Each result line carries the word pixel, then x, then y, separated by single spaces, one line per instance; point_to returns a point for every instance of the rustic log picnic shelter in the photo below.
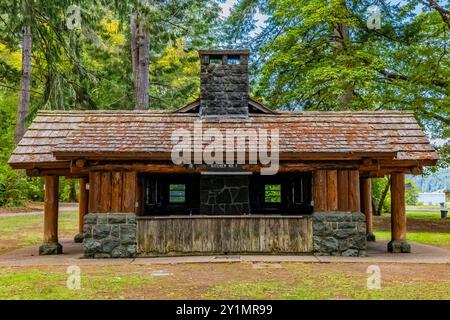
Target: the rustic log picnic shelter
pixel 135 200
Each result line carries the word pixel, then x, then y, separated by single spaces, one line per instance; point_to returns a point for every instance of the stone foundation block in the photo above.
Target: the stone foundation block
pixel 50 248
pixel 399 247
pixel 339 234
pixel 109 235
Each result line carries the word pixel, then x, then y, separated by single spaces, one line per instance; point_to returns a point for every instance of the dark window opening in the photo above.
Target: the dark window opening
pixel 170 195
pixel 281 194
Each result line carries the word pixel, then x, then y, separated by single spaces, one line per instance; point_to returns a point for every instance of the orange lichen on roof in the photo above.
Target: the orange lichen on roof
pixel 147 133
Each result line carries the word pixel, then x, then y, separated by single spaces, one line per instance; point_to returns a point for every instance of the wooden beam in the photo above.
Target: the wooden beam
pixel 129 194
pixel 94 191
pixel 166 167
pixel 80 163
pixel 343 190
pixel 353 191
pixel 366 206
pixel 320 190
pixel 83 203
pixel 332 190
pixel 105 192
pixel 51 203
pixel 398 214
pixel 116 191
pixel 57 172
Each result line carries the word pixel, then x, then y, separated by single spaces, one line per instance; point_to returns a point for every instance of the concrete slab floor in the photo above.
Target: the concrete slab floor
pixel 377 253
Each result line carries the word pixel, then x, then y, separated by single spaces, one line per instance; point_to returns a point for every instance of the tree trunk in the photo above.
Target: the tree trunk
pixel 140 45
pixel 134 54
pixel 342 36
pixel 25 85
pixel 73 190
pixel 383 197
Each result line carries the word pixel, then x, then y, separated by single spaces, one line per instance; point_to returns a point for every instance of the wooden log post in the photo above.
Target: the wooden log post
pixel 332 190
pixel 398 215
pixel 366 206
pixel 51 245
pixel 83 204
pixel 320 190
pixel 353 191
pixel 343 190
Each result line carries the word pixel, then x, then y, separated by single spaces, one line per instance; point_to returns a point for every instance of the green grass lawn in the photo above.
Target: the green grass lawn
pixel 431 238
pixel 329 285
pixel 425 215
pixel 36 284
pixel 228 281
pixel 27 230
pixel 424 223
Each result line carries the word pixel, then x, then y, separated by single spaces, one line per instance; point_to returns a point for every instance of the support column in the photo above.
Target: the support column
pixel 366 206
pixel 83 203
pixel 398 215
pixel 51 245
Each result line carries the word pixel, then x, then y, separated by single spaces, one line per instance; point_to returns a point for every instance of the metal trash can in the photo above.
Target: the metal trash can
pixel 444 214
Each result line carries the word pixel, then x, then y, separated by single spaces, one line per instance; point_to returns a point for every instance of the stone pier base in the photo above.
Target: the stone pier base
pixel 78 238
pixel 109 235
pixel 339 234
pixel 371 237
pixel 50 248
pixel 401 246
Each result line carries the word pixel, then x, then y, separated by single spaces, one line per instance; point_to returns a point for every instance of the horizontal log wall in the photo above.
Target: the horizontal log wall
pixel 336 190
pixel 223 234
pixel 112 191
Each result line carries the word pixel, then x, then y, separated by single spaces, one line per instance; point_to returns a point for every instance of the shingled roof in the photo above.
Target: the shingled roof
pixel 55 137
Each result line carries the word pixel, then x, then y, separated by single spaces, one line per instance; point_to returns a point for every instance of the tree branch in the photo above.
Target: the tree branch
pixel 445 14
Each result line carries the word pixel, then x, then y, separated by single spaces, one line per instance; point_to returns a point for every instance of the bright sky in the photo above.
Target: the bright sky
pixel 228 4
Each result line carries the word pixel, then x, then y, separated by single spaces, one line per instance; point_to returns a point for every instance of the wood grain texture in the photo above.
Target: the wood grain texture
pixel 129 191
pixel 220 235
pixel 83 203
pixel 353 191
pixel 94 191
pixel 116 191
pixel 366 202
pixel 320 190
pixel 332 190
pixel 343 190
pixel 105 192
pixel 51 209
pixel 398 214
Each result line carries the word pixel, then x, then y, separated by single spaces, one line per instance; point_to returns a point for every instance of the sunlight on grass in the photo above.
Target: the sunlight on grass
pixel 425 215
pixel 432 238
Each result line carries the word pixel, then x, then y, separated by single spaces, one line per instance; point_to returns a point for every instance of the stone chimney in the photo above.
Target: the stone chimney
pixel 224 84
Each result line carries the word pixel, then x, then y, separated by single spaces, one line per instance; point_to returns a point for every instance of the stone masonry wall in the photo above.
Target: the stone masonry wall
pixel 339 233
pixel 224 90
pixel 224 195
pixel 109 235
